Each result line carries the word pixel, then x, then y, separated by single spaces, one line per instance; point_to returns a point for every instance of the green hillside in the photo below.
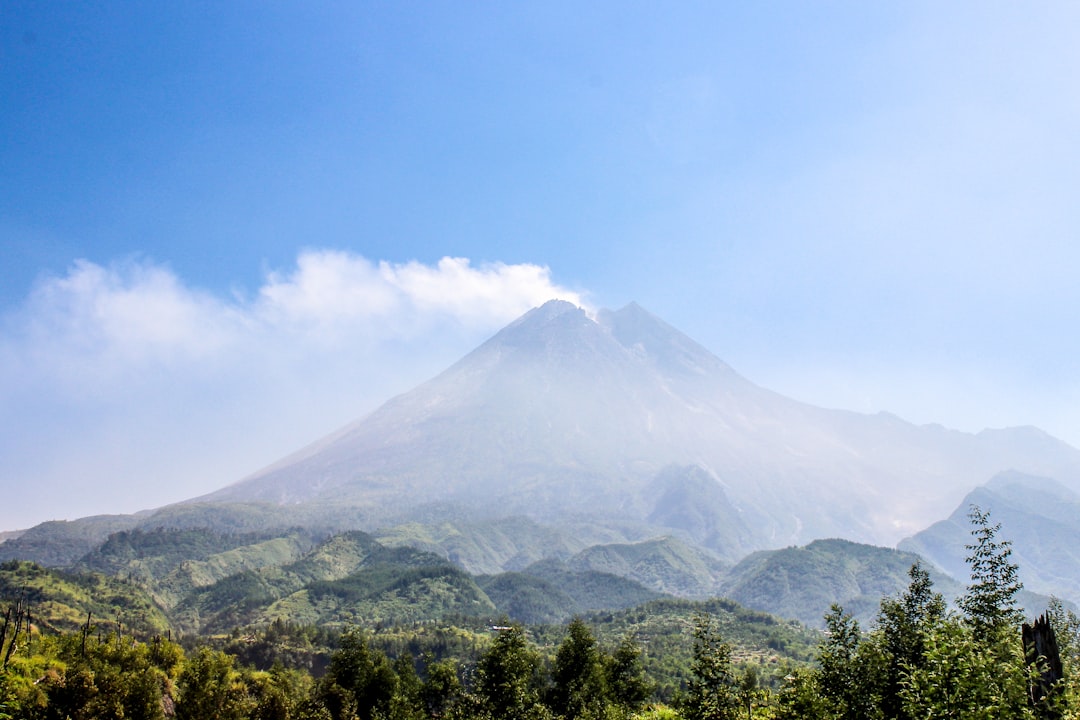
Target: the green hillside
pixel 350 578
pixel 1039 516
pixel 666 565
pixel 803 582
pixel 59 543
pixel 549 592
pixel 60 601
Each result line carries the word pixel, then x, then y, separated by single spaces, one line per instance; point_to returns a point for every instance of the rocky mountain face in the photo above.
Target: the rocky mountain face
pixel 620 420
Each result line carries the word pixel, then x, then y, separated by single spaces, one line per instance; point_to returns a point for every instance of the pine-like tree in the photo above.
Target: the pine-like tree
pixel 903 624
pixel 711 691
pixel 506 678
pixel 579 686
pixel 627 684
pixel 989 605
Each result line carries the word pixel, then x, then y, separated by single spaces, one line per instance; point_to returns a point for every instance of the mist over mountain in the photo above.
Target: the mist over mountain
pixel 620 419
pixel 1039 517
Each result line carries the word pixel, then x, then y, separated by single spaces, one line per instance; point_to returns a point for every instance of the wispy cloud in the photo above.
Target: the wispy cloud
pixel 126 376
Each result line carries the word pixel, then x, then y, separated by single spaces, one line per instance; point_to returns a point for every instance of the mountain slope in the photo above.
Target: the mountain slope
pixel 563 417
pixel 349 578
pixel 1039 516
pixel 803 582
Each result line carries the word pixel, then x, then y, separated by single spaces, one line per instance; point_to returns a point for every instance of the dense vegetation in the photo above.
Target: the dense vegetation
pixel 667 658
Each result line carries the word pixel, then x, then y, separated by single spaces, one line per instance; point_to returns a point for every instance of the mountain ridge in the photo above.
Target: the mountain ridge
pixel 560 415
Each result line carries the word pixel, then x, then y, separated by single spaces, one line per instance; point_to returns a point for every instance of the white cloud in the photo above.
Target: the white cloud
pixel 333 291
pixel 125 388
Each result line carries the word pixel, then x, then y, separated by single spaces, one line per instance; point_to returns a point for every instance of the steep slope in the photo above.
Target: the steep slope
pixel 170 564
pixel 1039 516
pixel 563 417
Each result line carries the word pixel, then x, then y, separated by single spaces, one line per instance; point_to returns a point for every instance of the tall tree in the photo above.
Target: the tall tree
pixel 359 681
pixel 627 684
pixel 903 624
pixel 711 690
pixel 989 605
pixel 507 683
pixel 849 670
pixel 579 687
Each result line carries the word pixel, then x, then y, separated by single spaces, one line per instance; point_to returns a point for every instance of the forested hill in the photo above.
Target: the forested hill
pixel 667 659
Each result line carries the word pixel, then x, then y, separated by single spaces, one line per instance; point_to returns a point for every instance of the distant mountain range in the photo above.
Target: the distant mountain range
pixel 614 445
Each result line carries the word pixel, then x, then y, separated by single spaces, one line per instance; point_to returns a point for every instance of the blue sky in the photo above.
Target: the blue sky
pixel 228 228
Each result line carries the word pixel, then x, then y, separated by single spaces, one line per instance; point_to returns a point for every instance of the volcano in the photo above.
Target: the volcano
pixel 618 419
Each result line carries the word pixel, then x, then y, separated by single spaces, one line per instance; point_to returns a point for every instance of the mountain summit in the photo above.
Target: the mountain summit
pixel 620 419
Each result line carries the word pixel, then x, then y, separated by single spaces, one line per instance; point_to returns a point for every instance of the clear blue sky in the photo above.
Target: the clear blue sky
pixel 223 226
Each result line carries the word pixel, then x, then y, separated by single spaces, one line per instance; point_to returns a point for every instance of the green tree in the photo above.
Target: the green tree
pixel 407 703
pixel 850 670
pixel 800 698
pixel 903 624
pixel 278 694
pixel 579 687
pixel 442 693
pixel 210 688
pixel 710 692
pixel 508 680
pixel 960 678
pixel 628 686
pixel 750 690
pixel 990 601
pixel 359 681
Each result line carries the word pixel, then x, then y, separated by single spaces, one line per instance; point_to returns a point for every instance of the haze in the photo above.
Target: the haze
pixel 225 232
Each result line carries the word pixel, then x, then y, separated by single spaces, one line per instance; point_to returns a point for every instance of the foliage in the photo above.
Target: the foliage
pixel 508 679
pixel 579 685
pixel 960 678
pixel 359 682
pixel 710 693
pixel 850 669
pixel 990 601
pixel 903 626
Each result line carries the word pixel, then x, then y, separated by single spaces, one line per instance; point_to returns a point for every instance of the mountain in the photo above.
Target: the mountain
pixel 621 421
pixel 1039 516
pixel 665 564
pixel 803 582
pixel 550 592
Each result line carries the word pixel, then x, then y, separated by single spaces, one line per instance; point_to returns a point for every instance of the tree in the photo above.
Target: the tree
pixel 903 624
pixel 750 690
pixel 627 684
pixel 507 682
pixel 799 697
pixel 442 693
pixel 850 670
pixel 710 693
pixel 579 688
pixel 961 678
pixel 209 688
pixel 989 605
pixel 359 681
